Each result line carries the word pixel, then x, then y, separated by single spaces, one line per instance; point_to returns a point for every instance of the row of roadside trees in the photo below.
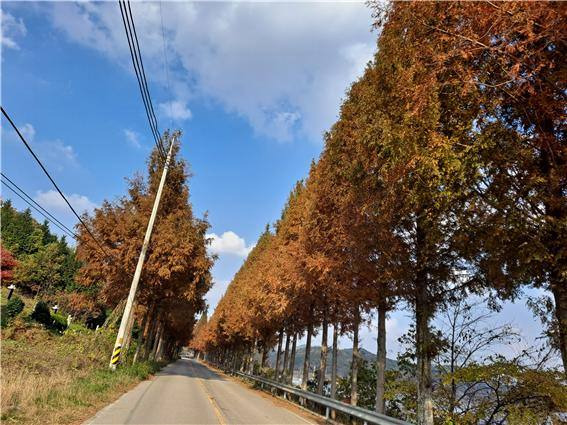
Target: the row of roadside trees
pixel 176 273
pixel 445 177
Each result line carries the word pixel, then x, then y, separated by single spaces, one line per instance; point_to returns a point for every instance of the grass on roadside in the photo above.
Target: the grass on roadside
pixel 48 378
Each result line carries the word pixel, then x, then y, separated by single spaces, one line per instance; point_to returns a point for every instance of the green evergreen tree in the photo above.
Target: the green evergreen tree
pixel 48 237
pixel 40 272
pixel 69 267
pixel 17 230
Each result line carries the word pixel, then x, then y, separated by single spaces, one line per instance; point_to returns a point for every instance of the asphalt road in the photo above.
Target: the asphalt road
pixel 187 392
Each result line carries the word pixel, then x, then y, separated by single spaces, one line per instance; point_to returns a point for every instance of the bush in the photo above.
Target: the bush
pixel 14 307
pixel 95 320
pixel 11 310
pixel 41 313
pixel 58 322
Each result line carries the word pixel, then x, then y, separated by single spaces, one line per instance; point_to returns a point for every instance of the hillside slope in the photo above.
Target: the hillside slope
pixel 53 378
pixel 344 359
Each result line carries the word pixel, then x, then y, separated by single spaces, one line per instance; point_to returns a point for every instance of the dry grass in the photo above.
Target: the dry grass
pixel 59 379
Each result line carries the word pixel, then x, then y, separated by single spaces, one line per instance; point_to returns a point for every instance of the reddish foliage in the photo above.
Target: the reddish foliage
pixel 7 264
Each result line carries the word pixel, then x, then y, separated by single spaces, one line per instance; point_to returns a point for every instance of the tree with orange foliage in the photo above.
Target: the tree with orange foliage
pixel 511 58
pixel 176 272
pixel 445 175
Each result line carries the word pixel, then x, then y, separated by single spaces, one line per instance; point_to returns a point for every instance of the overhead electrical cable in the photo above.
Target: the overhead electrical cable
pixel 52 181
pixel 143 73
pixel 53 221
pixel 166 65
pixel 137 71
pixel 66 229
pixel 137 62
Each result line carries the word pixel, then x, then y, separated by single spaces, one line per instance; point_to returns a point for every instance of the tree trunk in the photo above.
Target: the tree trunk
pixel 423 350
pixel 264 355
pixel 252 357
pixel 354 366
pixel 559 291
pixel 554 203
pixel 244 363
pixel 335 361
pixel 156 341
pixel 283 377
pixel 278 355
pixel 323 362
pixel 292 359
pixel 249 359
pixel 159 349
pixel 149 338
pixel 423 315
pixel 143 334
pixel 305 377
pixel 381 361
pixel 234 361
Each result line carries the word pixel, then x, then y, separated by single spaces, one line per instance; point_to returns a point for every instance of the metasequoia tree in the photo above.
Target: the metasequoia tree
pixel 522 203
pixel 509 59
pixel 444 175
pixel 294 283
pixel 352 215
pixel 176 272
pixel 241 317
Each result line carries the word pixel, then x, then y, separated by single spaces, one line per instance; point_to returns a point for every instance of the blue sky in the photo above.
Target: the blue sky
pixel 253 102
pixel 253 86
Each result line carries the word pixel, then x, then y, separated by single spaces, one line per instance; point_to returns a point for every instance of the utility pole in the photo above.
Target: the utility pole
pixel 117 351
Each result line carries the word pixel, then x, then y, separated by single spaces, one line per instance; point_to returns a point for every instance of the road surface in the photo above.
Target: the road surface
pixel 187 392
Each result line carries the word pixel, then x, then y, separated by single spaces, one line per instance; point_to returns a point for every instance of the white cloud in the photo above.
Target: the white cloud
pixel 28 131
pixel 132 138
pixel 10 28
pixel 56 153
pixel 283 67
pixel 176 110
pixel 52 201
pixel 57 150
pixel 229 243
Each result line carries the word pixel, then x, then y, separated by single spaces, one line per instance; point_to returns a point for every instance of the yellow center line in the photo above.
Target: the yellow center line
pixel 216 408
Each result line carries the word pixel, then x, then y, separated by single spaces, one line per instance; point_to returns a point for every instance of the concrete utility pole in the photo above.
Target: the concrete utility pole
pixel 116 352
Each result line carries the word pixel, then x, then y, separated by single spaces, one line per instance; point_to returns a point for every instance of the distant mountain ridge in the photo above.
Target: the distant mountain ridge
pixel 343 364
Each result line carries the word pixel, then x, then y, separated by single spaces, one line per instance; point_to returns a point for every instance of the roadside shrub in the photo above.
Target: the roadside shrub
pixel 41 313
pixel 14 307
pixel 58 322
pixel 96 320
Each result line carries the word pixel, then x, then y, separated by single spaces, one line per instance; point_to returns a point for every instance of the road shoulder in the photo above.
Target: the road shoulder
pixel 278 401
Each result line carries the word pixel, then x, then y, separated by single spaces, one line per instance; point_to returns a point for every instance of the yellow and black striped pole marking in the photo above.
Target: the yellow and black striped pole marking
pixel 116 355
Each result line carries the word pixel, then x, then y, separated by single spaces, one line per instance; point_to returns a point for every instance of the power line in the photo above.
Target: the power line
pixel 135 63
pixel 143 71
pixel 136 56
pixel 73 234
pixel 55 222
pixel 165 64
pixel 52 181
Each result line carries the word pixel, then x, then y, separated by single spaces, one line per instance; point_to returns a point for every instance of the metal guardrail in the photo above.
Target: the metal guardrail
pixel 354 411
